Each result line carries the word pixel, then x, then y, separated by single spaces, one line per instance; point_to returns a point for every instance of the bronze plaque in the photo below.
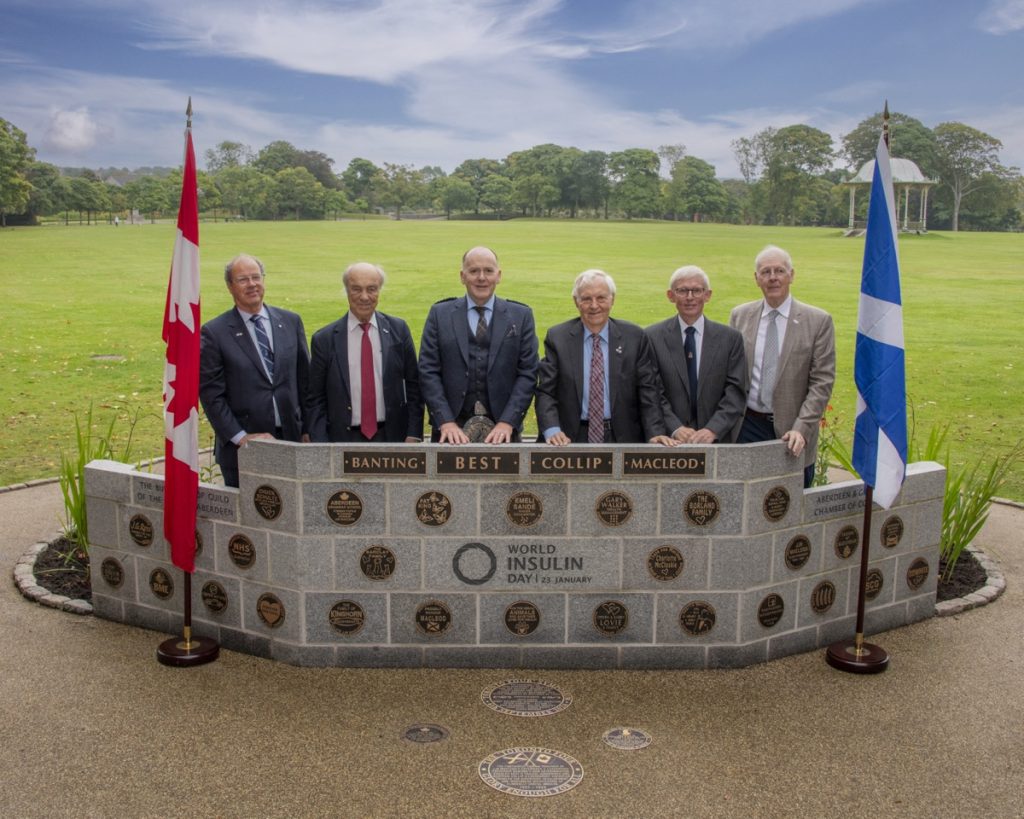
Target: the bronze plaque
pixel 526 698
pixel 611 617
pixel 663 463
pixel 701 508
pixel 377 562
pixel 892 531
pixel 531 771
pixel 267 501
pixel 141 530
pixel 215 598
pixel 560 463
pixel 846 541
pixel 346 617
pixel 697 618
pixel 873 584
pixel 917 573
pixel 270 609
pixel 771 609
pixel 433 618
pixel 798 552
pixel 477 463
pixel 524 509
pixel 433 508
pixel 626 739
pixel 522 618
pixel 242 551
pixel 160 584
pixel 823 596
pixel 112 572
pixel 665 563
pixel 614 508
pixel 385 463
pixel 425 732
pixel 776 504
pixel 344 507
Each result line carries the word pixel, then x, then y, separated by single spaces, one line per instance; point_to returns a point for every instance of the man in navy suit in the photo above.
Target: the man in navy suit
pixel 363 380
pixel 253 369
pixel 478 357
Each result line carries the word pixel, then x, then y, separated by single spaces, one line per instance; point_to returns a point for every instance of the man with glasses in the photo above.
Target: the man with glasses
pixel 791 361
pixel 701 362
pixel 253 369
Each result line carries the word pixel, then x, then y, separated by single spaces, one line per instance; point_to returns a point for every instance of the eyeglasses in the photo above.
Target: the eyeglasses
pixel 245 280
pixel 768 272
pixel 689 291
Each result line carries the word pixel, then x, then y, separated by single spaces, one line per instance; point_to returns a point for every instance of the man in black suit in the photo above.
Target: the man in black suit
pixel 253 369
pixel 478 358
pixel 701 363
pixel 598 382
pixel 363 381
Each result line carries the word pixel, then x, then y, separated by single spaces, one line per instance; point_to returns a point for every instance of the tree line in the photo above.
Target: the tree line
pixel 789 177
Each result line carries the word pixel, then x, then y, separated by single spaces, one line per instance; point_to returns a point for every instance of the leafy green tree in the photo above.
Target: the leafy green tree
pixel 320 165
pixel 48 194
pixel 117 200
pixel 362 180
pixel 277 156
pixel 402 187
pixel 298 191
pixel 695 191
pixel 497 194
pixel 15 158
pixel 963 156
pixel 533 193
pixel 209 194
pixel 244 190
pixel 592 183
pixel 227 155
pixel 453 193
pixel 147 194
pixel 335 203
pixel 636 190
pixel 796 154
pixel 475 172
pixel 908 139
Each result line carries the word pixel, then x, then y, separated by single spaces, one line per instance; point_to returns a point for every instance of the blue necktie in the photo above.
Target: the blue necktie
pixel 690 348
pixel 263 343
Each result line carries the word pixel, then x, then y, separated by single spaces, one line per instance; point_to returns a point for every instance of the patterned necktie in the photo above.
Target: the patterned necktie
pixel 690 348
pixel 481 324
pixel 769 362
pixel 368 387
pixel 595 398
pixel 263 343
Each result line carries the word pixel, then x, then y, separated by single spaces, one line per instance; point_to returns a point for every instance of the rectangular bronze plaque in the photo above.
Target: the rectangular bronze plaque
pixel 662 462
pixel 477 463
pixel 561 462
pixel 387 462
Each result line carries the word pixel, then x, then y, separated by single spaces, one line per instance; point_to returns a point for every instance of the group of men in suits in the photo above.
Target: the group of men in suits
pixel 688 379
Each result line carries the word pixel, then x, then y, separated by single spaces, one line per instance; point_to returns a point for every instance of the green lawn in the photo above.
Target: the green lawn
pixel 71 294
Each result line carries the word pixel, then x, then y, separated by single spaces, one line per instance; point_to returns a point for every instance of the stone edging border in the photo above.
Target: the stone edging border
pixel 25 580
pixel 995 585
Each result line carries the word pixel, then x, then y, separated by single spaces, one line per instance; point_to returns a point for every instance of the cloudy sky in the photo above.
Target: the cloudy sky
pixel 105 82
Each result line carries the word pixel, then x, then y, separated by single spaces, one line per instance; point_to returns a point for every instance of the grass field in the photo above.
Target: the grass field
pixel 71 297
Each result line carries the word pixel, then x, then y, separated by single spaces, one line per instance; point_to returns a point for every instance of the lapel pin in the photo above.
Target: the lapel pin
pixel 618 350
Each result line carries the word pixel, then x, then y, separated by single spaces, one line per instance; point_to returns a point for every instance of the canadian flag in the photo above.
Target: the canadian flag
pixel 181 374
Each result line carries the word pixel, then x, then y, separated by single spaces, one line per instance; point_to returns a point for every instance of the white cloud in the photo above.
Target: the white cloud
pixel 74 131
pixel 1002 17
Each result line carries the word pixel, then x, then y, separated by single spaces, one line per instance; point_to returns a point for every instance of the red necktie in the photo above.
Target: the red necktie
pixel 368 392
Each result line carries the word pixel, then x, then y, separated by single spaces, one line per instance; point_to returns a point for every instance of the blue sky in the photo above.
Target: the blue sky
pixel 105 82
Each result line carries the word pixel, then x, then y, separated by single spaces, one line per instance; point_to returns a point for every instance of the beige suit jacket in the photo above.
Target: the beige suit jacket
pixel 807 368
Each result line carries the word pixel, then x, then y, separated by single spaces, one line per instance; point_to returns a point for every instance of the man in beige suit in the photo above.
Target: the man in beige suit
pixel 791 362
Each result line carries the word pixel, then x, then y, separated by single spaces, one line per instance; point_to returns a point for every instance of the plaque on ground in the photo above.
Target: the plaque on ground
pixel 627 739
pixel 477 463
pixel 267 501
pixel 701 508
pixel 526 698
pixel 377 562
pixel 141 530
pixel 588 463
pixel 531 771
pixel 665 563
pixel 424 733
pixel 846 541
pixel 344 507
pixel 385 463
pixel 433 508
pixel 663 463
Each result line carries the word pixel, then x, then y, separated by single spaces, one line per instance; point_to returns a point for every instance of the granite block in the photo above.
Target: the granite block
pixel 761 615
pixel 269 458
pixel 245 642
pixel 217 503
pixel 206 551
pixel 524 509
pixel 611 618
pixel 920 608
pixel 109 608
pixel 110 480
pixel 738 656
pixel 774 504
pixel 412 615
pixel 835 630
pixel 240 552
pixel 499 620
pixel 332 618
pixel 740 562
pixel 835 500
pixel 282 612
pixel 763 458
pixel 269 503
pixel 148 617
pixel 307 656
pixel 925 480
pixel 314 461
pixel 305 563
pixel 665 563
pixel 437 508
pixel 927 528
pixel 103 518
pixel 217 599
pixel 361 506
pixel 475 657
pixel 379 656
pixel 543 657
pixel 663 657
pixel 711 617
pixel 127 589
pixel 795 642
pixel 603 508
pixel 806 616
pixel 676 497
pixel 842 537
pixel 885 618
pixel 378 564
pixel 908 566
pixel 138 526
pixel 148 490
pixel 798 552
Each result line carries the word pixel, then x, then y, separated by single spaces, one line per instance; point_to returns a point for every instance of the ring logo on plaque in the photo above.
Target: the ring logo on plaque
pixel 823 596
pixel 892 532
pixel 665 563
pixel 614 508
pixel 474 564
pixel 242 551
pixel 771 610
pixel 433 509
pixel 701 508
pixel 776 504
pixel 846 541
pixel 611 617
pixel 160 584
pixel 215 598
pixel 377 562
pixel 433 618
pixel 873 584
pixel 267 501
pixel 346 617
pixel 522 618
pixel 344 507
pixel 141 530
pixel 697 618
pixel 917 573
pixel 524 509
pixel 112 573
pixel 270 610
pixel 798 552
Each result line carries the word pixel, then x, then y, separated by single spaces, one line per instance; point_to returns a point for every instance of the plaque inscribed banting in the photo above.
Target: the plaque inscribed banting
pixel 385 462
pixel 664 463
pixel 478 463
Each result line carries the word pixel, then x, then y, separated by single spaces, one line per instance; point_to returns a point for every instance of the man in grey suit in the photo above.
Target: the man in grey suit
pixel 701 363
pixel 478 358
pixel 363 380
pixel 598 382
pixel 791 359
pixel 253 369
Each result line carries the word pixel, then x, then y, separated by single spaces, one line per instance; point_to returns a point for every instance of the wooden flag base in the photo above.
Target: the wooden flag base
pixel 867 659
pixel 183 653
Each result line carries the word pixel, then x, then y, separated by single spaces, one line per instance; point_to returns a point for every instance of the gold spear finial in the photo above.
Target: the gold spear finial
pixel 885 123
pixel 188 113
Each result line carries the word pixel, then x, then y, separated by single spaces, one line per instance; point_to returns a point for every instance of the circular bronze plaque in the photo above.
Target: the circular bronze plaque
pixel 776 503
pixel 522 618
pixel 433 509
pixel 424 733
pixel 701 508
pixel 346 617
pixel 665 563
pixel 377 562
pixel 525 698
pixel 112 572
pixel 267 501
pixel 846 541
pixel 873 584
pixel 531 771
pixel 344 507
pixel 270 609
pixel 242 551
pixel 160 584
pixel 611 617
pixel 524 509
pixel 141 530
pixel 215 598
pixel 697 618
pixel 770 611
pixel 798 552
pixel 614 508
pixel 823 596
pixel 892 531
pixel 917 573
pixel 627 739
pixel 433 618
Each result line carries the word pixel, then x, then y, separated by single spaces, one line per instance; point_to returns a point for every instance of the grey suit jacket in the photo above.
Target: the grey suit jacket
pixel 806 372
pixel 721 382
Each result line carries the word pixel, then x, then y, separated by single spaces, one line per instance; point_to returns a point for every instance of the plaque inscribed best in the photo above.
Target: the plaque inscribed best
pixel 531 771
pixel 267 501
pixel 525 698
pixel 477 463
pixel 663 463
pixel 397 462
pixel 586 463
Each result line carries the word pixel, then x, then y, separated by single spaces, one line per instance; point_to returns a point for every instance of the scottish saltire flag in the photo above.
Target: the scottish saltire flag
pixel 880 433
